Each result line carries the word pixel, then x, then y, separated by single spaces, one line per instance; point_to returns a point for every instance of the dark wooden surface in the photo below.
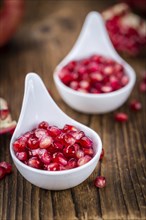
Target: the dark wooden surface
pixel 48 32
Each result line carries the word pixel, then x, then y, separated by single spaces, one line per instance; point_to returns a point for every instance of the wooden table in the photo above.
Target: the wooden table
pixel 48 32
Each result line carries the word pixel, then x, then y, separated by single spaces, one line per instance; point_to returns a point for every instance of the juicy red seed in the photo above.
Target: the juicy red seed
pixel 102 154
pixel 61 167
pixel 33 152
pixel 43 125
pixel 34 162
pixel 79 153
pixel 86 142
pixel 100 182
pixel 77 134
pixel 44 156
pixel 88 151
pixel 52 167
pixel 59 158
pixel 70 128
pixel 121 117
pixel 57 145
pixel 46 141
pixel 20 144
pixel 33 142
pixel 69 140
pixel 54 131
pixel 142 87
pixel 4 114
pixel 84 160
pixel 23 156
pixel 6 166
pixel 2 172
pixel 72 163
pixel 106 89
pixel 135 105
pixel 40 132
pixel 69 151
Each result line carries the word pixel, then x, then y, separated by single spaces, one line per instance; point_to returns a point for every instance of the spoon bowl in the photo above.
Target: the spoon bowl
pixel 94 39
pixel 38 106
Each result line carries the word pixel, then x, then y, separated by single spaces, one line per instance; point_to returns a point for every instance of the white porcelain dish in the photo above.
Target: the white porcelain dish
pixel 38 106
pixel 94 39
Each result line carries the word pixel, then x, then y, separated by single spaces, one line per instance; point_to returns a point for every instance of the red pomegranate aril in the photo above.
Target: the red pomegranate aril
pixel 7 166
pixel 106 89
pixel 142 87
pixel 83 160
pixel 135 105
pixel 124 80
pixel 40 132
pixel 33 152
pixel 23 156
pixel 97 77
pixel 2 172
pixel 34 162
pixel 88 151
pixel 121 117
pixel 86 142
pixel 77 134
pixel 45 142
pixel 57 145
pixel 102 154
pixel 72 163
pixel 33 142
pixel 52 167
pixel 84 84
pixel 20 144
pixel 100 182
pixel 79 153
pixel 69 151
pixel 59 158
pixel 69 128
pixel 45 156
pixel 92 67
pixel 54 131
pixel 61 167
pixel 74 85
pixel 108 70
pixel 82 70
pixel 43 125
pixel 69 139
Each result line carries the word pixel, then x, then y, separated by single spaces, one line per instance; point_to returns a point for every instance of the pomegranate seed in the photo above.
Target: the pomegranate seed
pixel 44 156
pixel 54 131
pixel 79 153
pixel 142 87
pixel 77 134
pixel 39 133
pixel 86 142
pixel 69 151
pixel 102 154
pixel 121 117
pixel 74 85
pixel 69 128
pixel 20 144
pixel 61 167
pixel 97 77
pixel 33 142
pixel 84 160
pixel 69 140
pixel 100 182
pixel 106 89
pixel 57 145
pixel 108 70
pixel 84 84
pixel 33 152
pixel 2 172
pixel 6 166
pixel 88 151
pixel 72 163
pixel 46 141
pixel 59 158
pixel 53 166
pixel 34 162
pixel 22 156
pixel 43 125
pixel 135 105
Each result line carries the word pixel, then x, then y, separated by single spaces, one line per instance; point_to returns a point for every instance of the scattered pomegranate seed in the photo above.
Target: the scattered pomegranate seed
pixel 51 148
pixel 7 166
pixel 121 117
pixel 2 172
pixel 135 105
pixel 100 182
pixel 93 75
pixel 102 154
pixel 142 87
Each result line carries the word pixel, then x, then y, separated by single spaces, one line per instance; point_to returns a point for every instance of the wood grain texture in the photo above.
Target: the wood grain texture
pixel 48 32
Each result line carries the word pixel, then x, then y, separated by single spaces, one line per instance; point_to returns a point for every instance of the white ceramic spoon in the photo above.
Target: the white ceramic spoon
pixel 94 39
pixel 38 106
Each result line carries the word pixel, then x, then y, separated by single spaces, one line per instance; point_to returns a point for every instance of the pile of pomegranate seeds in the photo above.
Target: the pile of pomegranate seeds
pixel 51 148
pixel 126 30
pixel 5 168
pixel 6 123
pixel 95 74
pixel 100 182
